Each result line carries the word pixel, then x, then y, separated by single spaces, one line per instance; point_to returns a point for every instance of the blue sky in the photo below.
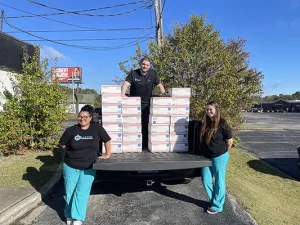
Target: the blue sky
pixel 271 28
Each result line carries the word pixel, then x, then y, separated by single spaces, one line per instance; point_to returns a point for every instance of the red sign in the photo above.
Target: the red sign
pixel 66 75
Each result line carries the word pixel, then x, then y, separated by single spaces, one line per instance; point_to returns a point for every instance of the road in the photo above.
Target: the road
pixel 135 204
pixel 277 147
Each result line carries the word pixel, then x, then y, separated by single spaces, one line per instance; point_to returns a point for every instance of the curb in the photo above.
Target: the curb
pixel 29 202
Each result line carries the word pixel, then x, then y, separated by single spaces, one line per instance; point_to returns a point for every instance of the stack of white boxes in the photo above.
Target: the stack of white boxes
pixel 168 122
pixel 159 124
pixel 121 118
pixel 132 128
pixel 179 119
pixel 112 116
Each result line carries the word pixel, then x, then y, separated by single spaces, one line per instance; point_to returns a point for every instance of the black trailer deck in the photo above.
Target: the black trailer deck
pixel 148 161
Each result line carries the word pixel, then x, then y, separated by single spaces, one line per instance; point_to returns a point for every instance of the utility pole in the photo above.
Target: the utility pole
pixel 2 20
pixel 158 22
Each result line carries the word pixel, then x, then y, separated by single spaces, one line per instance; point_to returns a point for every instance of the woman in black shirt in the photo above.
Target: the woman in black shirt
pixel 215 141
pixel 81 143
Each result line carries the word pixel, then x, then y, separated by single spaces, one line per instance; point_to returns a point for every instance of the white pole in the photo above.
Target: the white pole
pixel 73 92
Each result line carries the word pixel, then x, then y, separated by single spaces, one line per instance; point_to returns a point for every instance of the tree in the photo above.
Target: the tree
pixel 36 109
pixel 194 55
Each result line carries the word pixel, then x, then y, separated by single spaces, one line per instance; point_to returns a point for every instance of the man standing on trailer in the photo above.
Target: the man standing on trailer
pixel 141 82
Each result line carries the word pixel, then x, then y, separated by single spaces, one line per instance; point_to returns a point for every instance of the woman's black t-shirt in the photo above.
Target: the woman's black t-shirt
pixel 83 145
pixel 217 145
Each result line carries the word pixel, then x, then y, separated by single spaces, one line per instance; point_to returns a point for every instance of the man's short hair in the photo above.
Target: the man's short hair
pixel 145 59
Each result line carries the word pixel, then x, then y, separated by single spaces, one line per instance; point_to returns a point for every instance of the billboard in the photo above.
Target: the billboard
pixel 65 75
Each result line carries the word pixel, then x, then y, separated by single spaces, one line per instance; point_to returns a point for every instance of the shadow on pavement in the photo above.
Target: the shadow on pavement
pixel 129 187
pixel 287 167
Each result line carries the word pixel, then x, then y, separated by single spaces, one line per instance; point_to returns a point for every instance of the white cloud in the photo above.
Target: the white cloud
pixel 51 53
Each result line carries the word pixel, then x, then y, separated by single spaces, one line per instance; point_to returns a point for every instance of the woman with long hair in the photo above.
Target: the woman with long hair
pixel 215 141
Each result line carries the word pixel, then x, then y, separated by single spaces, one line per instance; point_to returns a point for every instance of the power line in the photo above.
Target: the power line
pixel 95 39
pixel 142 39
pixel 90 30
pixel 78 12
pixel 58 21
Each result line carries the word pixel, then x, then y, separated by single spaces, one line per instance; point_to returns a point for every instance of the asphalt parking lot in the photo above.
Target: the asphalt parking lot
pixel 277 144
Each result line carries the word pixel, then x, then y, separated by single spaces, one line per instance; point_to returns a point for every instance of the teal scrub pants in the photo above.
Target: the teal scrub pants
pixel 216 191
pixel 78 184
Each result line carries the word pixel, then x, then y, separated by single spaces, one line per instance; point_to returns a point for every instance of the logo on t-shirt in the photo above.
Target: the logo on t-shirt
pixel 78 137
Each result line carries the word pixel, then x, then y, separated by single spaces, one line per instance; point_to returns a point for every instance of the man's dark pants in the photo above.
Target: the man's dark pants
pixel 145 121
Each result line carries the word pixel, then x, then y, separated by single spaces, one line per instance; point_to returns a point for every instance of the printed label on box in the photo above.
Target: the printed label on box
pixel 111 99
pixel 159 119
pixel 180 92
pixel 177 110
pixel 131 110
pixel 178 137
pixel 179 128
pixel 181 101
pixel 159 147
pixel 159 128
pixel 132 147
pixel 110 127
pixel 132 128
pixel 159 137
pixel 131 101
pixel 111 108
pixel 161 101
pixel 112 118
pixel 179 119
pixel 160 110
pixel 116 136
pixel 179 147
pixel 132 137
pixel 110 89
pixel 129 119
pixel 115 148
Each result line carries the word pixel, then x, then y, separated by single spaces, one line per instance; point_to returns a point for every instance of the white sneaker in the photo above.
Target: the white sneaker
pixel 77 222
pixel 69 221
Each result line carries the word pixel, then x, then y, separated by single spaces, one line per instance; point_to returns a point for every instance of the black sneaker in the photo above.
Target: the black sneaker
pixel 211 211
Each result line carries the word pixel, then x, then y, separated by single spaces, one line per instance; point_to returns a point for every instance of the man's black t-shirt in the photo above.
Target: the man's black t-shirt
pixel 217 145
pixel 142 85
pixel 83 145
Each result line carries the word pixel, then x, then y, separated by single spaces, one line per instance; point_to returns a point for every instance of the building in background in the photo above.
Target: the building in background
pixel 11 58
pixel 279 106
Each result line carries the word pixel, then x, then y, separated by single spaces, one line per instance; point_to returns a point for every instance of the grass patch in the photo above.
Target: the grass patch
pixel 267 194
pixel 258 128
pixel 33 169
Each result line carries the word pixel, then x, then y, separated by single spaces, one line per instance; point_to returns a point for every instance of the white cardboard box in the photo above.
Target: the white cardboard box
pixel 111 108
pixel 174 137
pixel 116 136
pixel 113 127
pixel 131 101
pixel 179 128
pixel 180 101
pixel 132 137
pixel 180 110
pixel 110 89
pixel 132 128
pixel 180 92
pixel 111 99
pixel 179 119
pixel 160 110
pixel 161 101
pixel 132 119
pixel 112 117
pixel 159 128
pixel 132 147
pixel 159 137
pixel 131 110
pixel 115 148
pixel 159 119
pixel 159 147
pixel 179 147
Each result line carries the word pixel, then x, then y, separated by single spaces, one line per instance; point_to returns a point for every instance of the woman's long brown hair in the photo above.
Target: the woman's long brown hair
pixel 210 127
